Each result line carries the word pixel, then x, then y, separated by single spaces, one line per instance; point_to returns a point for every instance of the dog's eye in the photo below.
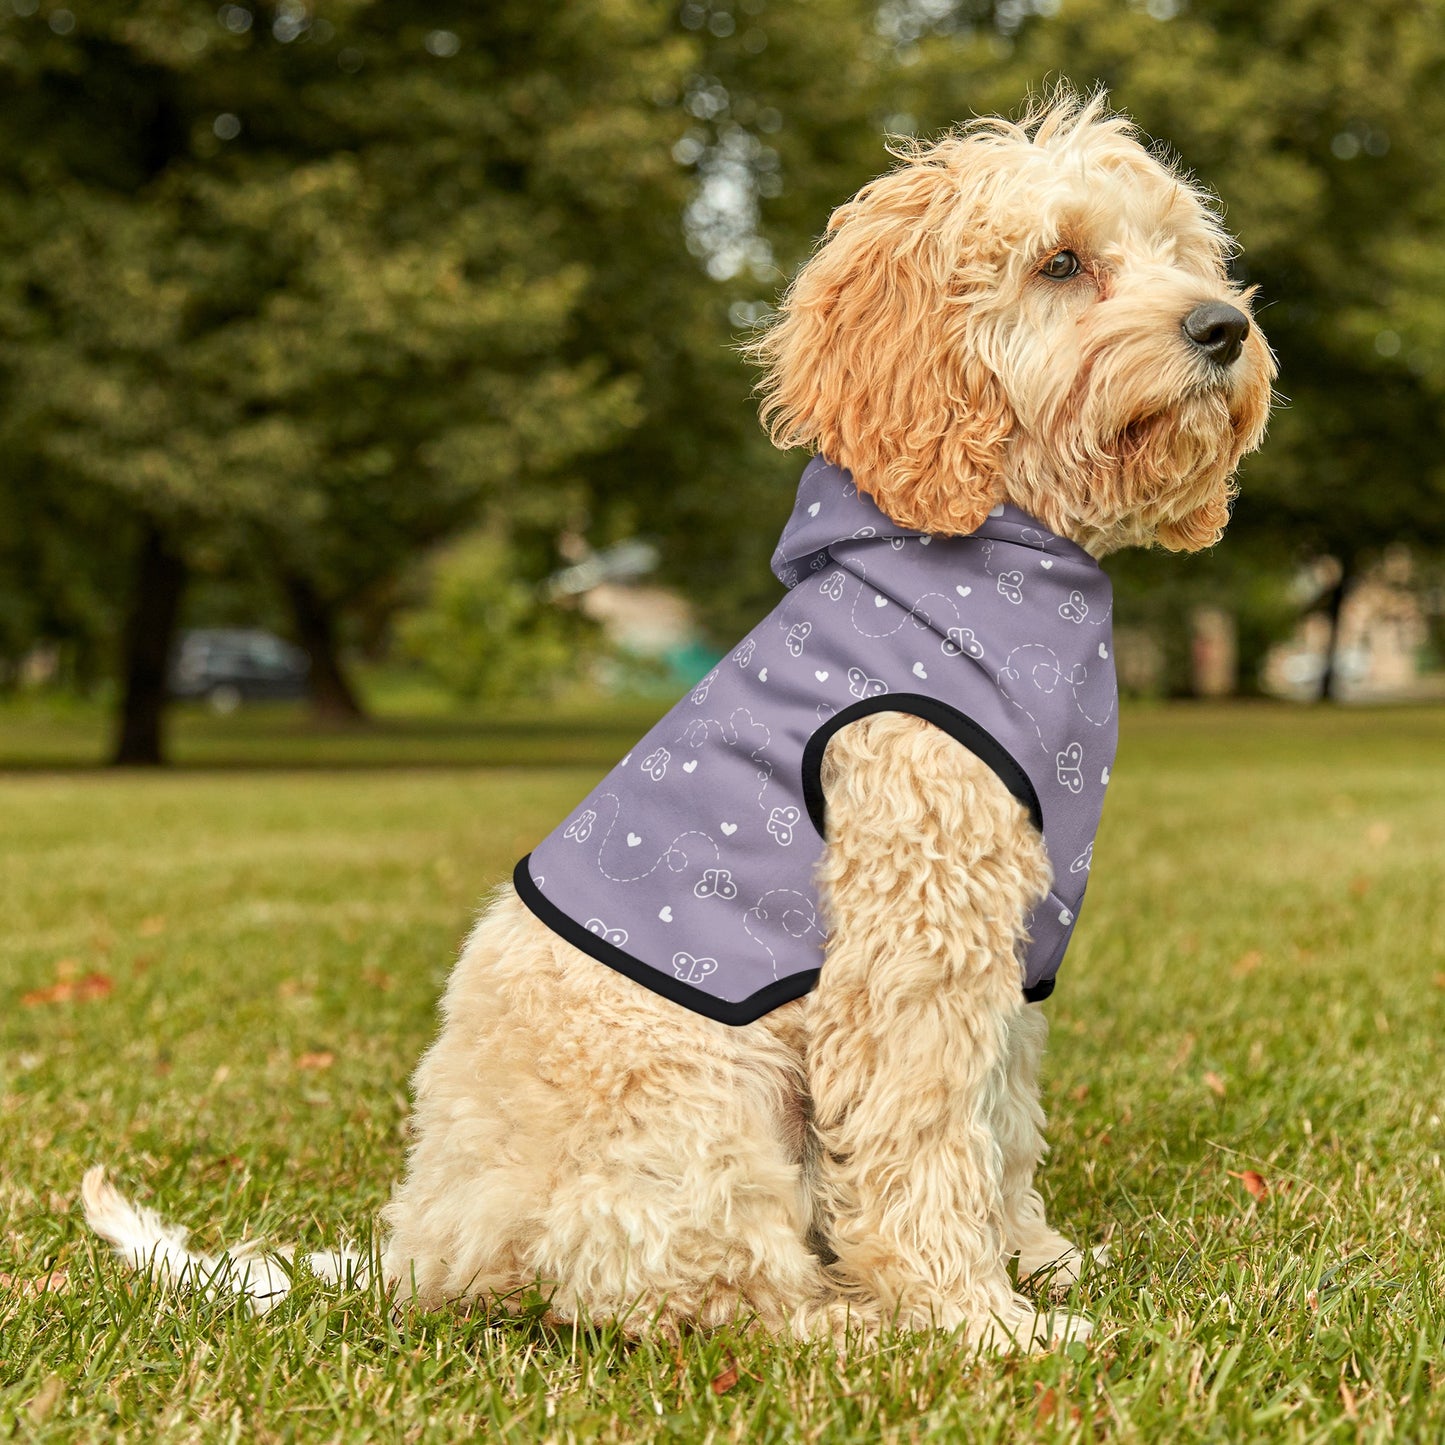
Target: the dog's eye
pixel 1061 266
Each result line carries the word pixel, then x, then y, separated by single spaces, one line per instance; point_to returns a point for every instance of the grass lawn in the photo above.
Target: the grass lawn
pixel 217 980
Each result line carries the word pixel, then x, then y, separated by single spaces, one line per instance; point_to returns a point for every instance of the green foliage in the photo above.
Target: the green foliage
pixel 311 287
pixel 317 287
pixel 486 634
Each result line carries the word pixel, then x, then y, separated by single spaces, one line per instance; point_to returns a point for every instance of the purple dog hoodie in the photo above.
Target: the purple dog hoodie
pixel 690 867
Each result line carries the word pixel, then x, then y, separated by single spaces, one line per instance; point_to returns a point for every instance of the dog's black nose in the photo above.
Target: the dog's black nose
pixel 1218 331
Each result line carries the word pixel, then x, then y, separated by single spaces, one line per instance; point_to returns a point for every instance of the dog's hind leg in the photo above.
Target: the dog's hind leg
pixel 680 1199
pixel 575 1133
pixel 930 871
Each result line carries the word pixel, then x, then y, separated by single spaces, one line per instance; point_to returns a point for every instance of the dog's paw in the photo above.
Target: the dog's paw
pixel 1057 1264
pixel 1022 1326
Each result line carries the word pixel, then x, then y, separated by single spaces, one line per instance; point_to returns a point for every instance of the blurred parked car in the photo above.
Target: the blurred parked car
pixel 230 665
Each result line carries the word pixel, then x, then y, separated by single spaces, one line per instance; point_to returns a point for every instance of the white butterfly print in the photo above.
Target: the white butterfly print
pixel 1071 775
pixel 655 764
pixel 700 692
pixel 580 828
pixel 744 654
pixel 692 970
pixel 861 685
pixel 1011 586
pixel 1075 609
pixel 797 636
pixel 715 883
pixel 781 822
pixel 961 639
pixel 612 935
pixel 832 586
pixel 1084 861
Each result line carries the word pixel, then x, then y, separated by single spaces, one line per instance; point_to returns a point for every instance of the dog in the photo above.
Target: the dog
pixel 1021 344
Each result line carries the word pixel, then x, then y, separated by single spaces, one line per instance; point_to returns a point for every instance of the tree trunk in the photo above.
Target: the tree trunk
pixel 150 629
pixel 333 699
pixel 1329 677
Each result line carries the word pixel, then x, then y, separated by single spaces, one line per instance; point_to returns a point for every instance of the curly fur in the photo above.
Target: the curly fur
pixel 864 1156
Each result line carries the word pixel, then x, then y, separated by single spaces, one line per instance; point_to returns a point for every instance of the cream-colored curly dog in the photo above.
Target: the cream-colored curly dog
pixel 1012 313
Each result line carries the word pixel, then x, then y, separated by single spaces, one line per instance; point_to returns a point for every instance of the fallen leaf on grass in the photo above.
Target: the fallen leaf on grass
pixel 377 978
pixel 1440 980
pixel 321 1059
pixel 56 1282
pixel 1255 1183
pixel 1079 1094
pixel 1214 1083
pixel 1046 1408
pixel 152 927
pixel 66 990
pixel 724 1382
pixel 1378 834
pixel 1247 963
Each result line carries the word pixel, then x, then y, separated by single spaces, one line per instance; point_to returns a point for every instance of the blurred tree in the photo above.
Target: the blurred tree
pixel 308 286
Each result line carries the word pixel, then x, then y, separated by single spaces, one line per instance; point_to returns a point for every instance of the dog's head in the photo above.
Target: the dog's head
pixel 1036 311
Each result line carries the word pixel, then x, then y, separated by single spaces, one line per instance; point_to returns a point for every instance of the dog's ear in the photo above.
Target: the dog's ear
pixel 872 359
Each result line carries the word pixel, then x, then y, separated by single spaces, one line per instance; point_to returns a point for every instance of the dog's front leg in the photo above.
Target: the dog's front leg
pixel 930 870
pixel 1018 1122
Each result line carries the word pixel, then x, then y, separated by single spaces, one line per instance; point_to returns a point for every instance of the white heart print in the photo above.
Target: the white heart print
pixel 880 602
pixel 1103 650
pixel 633 840
pixel 813 510
pixel 919 670
pixel 690 767
pixel 762 674
pixel 821 676
pixel 963 591
pixel 728 828
pixel 1046 564
pixel 666 914
pixel 1104 777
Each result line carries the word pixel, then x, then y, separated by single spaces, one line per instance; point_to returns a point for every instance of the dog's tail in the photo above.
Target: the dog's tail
pixel 147 1243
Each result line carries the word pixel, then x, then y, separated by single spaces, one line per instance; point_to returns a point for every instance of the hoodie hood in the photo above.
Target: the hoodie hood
pixel 832 519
